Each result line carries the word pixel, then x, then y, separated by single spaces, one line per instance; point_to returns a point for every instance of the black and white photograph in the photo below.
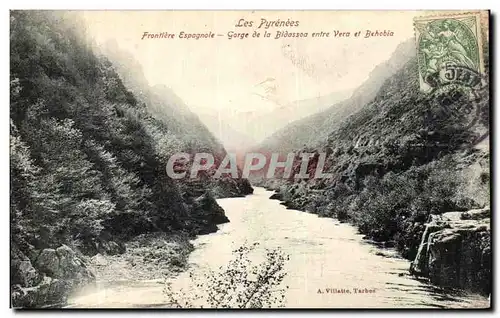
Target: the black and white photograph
pixel 239 159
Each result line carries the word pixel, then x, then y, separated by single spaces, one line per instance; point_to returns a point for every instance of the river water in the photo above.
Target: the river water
pixel 328 263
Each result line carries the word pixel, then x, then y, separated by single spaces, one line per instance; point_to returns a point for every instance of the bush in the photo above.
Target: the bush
pixel 240 284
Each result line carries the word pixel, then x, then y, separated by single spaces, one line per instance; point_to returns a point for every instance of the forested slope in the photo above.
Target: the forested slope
pixel 88 160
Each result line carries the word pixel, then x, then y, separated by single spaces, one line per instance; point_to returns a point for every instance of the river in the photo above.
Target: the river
pixel 324 256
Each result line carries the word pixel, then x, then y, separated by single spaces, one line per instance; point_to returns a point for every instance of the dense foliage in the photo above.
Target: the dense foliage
pixel 88 156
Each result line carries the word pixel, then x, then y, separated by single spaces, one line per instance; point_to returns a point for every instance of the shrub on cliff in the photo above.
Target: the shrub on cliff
pixel 386 207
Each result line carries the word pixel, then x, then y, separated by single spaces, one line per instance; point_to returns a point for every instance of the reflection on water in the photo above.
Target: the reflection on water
pixel 325 256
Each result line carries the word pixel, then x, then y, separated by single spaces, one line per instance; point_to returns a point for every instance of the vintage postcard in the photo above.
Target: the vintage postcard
pixel 250 159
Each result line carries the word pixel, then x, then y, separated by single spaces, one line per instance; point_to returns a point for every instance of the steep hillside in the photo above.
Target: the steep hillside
pixel 160 100
pixel 399 160
pixel 171 110
pixel 87 160
pixel 313 129
pixel 269 122
pixel 253 126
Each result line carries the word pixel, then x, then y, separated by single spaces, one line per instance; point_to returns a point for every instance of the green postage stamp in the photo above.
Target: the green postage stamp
pixel 445 43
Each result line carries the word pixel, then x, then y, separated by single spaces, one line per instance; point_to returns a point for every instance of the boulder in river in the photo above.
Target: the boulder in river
pixel 205 214
pixel 276 196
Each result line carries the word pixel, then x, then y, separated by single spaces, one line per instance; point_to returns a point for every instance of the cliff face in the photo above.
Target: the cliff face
pixel 87 160
pixel 396 161
pixel 455 250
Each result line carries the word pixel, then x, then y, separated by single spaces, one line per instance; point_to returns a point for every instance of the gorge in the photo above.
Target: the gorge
pixel 400 208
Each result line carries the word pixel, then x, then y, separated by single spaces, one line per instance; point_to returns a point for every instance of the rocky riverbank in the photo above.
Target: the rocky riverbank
pixel 47 277
pixel 401 208
pixel 453 249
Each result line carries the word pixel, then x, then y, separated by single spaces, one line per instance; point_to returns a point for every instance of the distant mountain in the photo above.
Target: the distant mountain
pixel 232 139
pixel 253 127
pixel 265 124
pixel 315 128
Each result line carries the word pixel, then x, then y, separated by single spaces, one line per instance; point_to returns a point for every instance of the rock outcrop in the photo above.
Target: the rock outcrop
pixel 207 208
pixel 48 278
pixel 455 251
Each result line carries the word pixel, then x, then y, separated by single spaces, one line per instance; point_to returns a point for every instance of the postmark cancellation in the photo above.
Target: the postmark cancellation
pixel 445 43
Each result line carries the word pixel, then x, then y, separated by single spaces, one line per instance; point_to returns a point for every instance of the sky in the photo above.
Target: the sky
pixel 252 75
